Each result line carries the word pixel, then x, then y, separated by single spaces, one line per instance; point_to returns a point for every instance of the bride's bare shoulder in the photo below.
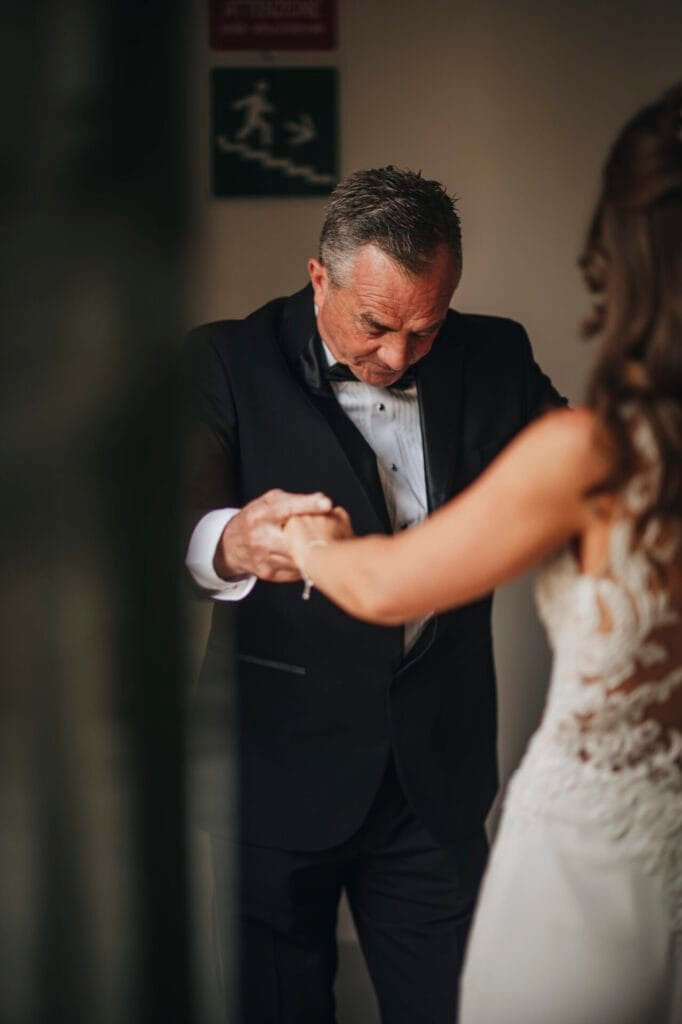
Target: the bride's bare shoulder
pixel 576 425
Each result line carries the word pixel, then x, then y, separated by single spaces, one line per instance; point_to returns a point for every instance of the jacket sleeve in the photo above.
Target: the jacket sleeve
pixel 210 448
pixel 541 395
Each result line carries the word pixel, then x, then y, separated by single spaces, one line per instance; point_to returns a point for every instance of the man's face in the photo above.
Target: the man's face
pixel 380 320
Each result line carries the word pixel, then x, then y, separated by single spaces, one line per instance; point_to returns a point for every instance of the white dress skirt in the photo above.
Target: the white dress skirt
pixel 569 931
pixel 580 915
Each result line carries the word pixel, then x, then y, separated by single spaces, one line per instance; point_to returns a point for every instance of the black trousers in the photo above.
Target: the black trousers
pixel 412 902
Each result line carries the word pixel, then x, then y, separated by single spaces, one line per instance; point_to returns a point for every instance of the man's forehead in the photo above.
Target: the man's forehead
pixel 373 272
pixel 370 265
pixel 386 300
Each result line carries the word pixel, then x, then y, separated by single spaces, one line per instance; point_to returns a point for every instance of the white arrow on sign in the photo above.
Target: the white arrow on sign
pixel 301 131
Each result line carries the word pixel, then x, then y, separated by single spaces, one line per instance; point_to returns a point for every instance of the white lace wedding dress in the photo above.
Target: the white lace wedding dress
pixel 580 915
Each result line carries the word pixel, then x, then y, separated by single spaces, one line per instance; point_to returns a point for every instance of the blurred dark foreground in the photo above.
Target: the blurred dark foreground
pixel 94 897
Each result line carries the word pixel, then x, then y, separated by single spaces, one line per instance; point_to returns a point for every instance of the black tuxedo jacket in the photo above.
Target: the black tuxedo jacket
pixel 323 697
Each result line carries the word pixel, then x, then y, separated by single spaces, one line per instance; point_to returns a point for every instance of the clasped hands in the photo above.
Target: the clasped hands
pixel 269 537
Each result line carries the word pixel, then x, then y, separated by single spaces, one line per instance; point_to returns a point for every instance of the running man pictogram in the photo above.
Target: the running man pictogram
pixel 256 107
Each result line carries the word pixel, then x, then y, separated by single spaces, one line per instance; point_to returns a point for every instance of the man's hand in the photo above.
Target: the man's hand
pixel 253 542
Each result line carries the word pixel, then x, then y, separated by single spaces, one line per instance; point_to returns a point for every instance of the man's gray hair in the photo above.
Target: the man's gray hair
pixel 406 216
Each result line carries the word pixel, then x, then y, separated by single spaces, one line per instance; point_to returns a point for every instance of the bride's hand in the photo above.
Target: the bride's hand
pixel 300 531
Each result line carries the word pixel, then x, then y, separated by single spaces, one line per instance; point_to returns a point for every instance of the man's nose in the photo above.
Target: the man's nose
pixel 396 355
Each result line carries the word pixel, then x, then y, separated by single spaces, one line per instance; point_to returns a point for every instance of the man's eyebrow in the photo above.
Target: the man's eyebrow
pixel 436 325
pixel 367 320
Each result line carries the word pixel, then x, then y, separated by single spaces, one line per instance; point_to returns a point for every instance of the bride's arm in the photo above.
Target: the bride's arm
pixel 529 502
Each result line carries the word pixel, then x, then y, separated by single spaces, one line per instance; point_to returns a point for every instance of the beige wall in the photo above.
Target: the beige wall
pixel 510 103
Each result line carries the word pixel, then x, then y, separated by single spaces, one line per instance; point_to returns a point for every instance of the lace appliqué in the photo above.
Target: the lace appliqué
pixel 609 749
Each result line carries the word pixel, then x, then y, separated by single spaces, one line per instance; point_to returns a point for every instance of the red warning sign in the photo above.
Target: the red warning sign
pixel 273 24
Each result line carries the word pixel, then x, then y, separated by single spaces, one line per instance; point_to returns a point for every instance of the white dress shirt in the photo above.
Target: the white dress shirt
pixel 389 422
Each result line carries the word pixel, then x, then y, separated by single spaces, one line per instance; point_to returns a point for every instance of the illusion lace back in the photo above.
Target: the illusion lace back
pixel 609 749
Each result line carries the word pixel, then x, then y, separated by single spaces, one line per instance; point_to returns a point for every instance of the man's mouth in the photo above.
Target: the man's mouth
pixel 385 371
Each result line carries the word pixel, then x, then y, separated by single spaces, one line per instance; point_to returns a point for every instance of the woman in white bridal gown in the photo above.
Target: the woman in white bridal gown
pixel 580 914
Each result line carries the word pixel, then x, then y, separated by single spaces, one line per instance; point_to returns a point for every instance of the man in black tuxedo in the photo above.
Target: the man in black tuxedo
pixel 367 754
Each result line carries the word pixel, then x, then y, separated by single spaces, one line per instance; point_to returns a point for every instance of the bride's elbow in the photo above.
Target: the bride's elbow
pixel 379 615
pixel 373 602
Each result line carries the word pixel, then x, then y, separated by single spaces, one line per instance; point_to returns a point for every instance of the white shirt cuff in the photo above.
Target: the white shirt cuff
pixel 201 552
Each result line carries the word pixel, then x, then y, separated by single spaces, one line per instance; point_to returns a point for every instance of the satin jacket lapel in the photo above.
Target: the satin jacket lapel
pixel 302 350
pixel 440 380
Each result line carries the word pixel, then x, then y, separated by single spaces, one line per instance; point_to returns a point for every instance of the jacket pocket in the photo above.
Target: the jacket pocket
pixel 280 666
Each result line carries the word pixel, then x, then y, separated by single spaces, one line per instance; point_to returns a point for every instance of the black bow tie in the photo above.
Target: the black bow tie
pixel 340 372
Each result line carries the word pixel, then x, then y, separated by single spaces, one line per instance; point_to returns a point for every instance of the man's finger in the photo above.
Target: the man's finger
pixel 282 560
pixel 341 513
pixel 285 576
pixel 300 505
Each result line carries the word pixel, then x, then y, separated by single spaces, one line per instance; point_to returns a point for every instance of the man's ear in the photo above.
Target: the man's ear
pixel 319 279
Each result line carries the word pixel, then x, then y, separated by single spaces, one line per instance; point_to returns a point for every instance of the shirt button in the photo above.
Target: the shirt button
pixel 381 407
pixel 394 468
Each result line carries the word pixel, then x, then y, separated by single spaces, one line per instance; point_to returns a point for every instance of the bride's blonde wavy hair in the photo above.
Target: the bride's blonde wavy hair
pixel 632 262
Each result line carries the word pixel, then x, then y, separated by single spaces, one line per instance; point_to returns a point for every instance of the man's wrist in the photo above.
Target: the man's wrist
pixel 201 554
pixel 224 569
pixel 228 568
